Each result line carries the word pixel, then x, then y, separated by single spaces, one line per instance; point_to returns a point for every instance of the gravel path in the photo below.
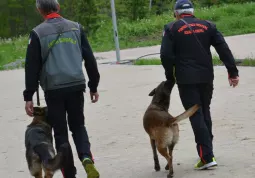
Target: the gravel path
pixel 119 143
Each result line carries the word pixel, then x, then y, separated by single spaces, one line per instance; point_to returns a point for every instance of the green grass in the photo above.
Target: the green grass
pixel 216 62
pixel 12 50
pixel 231 19
pixel 142 62
pixel 248 62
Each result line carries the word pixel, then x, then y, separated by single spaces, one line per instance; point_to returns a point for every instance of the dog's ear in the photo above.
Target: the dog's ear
pixel 39 111
pixel 152 93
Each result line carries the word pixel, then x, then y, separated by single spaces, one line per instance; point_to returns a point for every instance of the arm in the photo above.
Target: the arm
pixel 90 63
pixel 167 55
pixel 224 52
pixel 32 67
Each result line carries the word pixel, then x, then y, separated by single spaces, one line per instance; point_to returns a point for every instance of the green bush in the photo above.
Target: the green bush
pixel 209 3
pixel 231 19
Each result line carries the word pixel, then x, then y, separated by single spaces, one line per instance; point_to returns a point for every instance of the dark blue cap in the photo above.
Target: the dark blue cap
pixel 183 4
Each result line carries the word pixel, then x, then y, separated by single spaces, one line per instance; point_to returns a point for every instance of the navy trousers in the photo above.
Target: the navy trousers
pixel 201 121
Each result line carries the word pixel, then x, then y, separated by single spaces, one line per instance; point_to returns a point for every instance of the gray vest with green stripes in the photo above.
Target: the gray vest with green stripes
pixel 63 66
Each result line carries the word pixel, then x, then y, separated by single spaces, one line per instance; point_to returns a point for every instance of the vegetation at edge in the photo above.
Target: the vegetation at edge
pixel 137 26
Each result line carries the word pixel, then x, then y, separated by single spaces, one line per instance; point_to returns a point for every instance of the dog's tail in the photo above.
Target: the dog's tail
pixel 186 114
pixel 57 162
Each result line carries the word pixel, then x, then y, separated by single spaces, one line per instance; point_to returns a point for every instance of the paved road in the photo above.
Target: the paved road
pixel 120 144
pixel 242 47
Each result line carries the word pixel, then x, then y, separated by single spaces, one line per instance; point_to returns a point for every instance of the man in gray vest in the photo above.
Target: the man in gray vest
pixel 56 50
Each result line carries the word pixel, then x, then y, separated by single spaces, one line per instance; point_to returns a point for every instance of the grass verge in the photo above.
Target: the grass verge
pixel 14 65
pixel 152 61
pixel 216 62
pixel 231 19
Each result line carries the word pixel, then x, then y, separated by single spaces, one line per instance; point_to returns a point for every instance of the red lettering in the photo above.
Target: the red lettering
pixel 182 28
pixel 188 32
pixel 199 31
pixel 202 26
pixel 193 25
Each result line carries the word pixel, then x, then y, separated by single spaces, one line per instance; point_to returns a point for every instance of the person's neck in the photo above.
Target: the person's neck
pixel 184 15
pixel 51 15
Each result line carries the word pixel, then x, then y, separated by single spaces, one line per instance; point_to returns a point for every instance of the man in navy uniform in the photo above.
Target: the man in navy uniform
pixel 190 55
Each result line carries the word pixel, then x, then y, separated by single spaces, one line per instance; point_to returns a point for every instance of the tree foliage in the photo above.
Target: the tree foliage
pixel 18 17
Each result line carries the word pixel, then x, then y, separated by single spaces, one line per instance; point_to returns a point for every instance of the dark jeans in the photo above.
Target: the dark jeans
pixel 201 121
pixel 71 103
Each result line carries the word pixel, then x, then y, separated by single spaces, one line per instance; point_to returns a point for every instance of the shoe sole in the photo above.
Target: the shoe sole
pixel 92 172
pixel 208 166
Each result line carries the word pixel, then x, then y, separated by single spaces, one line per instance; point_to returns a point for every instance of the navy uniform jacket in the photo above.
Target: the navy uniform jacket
pixel 179 49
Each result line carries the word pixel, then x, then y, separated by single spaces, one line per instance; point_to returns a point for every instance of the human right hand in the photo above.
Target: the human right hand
pixel 94 97
pixel 29 108
pixel 233 82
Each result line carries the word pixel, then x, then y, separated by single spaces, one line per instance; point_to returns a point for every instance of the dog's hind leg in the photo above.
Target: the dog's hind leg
pixel 170 167
pixel 163 151
pixel 37 174
pixel 48 174
pixel 35 166
pixel 155 155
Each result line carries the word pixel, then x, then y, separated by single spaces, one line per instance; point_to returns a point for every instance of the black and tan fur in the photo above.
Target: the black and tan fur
pixel 163 128
pixel 39 133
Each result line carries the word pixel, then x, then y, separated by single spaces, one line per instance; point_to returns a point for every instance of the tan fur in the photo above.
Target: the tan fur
pixel 163 128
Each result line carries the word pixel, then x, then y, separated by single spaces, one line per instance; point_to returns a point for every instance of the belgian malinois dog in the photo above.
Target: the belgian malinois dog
pixel 163 128
pixel 39 133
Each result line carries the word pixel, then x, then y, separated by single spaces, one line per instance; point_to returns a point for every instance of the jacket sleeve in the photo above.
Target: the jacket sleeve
pixel 32 67
pixel 167 54
pixel 90 63
pixel 225 54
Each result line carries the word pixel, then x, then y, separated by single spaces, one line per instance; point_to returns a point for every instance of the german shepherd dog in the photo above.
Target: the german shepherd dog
pixel 161 127
pixel 39 134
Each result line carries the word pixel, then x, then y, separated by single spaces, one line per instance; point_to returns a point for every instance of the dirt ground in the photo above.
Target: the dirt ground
pixel 119 143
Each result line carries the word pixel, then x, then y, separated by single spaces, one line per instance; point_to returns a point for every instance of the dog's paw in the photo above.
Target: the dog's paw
pixel 157 168
pixel 167 167
pixel 170 175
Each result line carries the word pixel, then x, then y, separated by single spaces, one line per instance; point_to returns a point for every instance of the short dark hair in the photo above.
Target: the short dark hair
pixel 47 6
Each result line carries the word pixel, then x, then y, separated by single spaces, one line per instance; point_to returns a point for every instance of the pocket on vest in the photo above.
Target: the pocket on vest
pixel 63 79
